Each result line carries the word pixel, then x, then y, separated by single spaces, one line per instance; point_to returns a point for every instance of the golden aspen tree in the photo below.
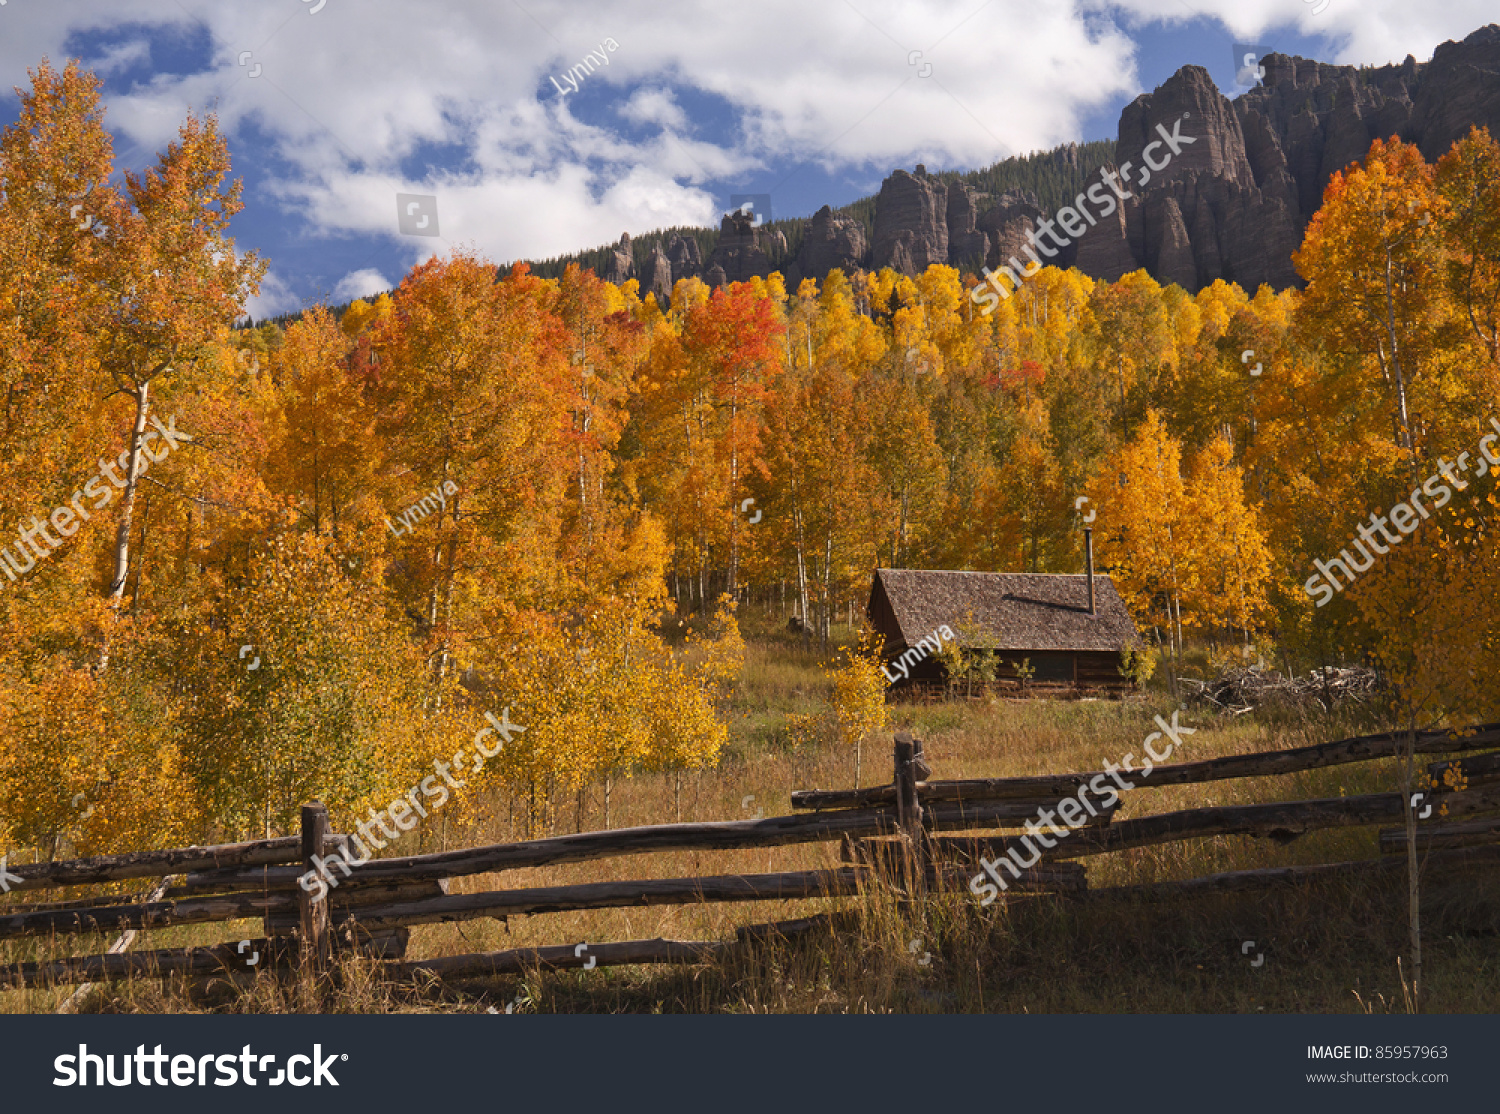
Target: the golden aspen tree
pixel 1140 501
pixel 1132 339
pixel 1468 179
pixel 1374 278
pixel 1228 565
pixel 324 457
pixel 176 281
pixel 859 686
pixel 817 456
pixel 731 342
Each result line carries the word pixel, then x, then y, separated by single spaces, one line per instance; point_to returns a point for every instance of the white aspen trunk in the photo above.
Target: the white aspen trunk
pixel 734 488
pixel 801 567
pixel 1404 432
pixel 142 395
pixel 825 617
pixel 585 423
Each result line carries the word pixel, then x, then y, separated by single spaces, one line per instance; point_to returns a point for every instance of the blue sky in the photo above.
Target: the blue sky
pixel 333 108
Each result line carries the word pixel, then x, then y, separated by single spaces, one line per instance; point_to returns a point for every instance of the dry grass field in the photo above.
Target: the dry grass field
pixel 1328 947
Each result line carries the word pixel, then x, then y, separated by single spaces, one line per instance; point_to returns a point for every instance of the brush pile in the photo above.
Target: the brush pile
pixel 1240 690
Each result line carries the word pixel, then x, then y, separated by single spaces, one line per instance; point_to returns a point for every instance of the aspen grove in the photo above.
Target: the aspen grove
pixel 596 455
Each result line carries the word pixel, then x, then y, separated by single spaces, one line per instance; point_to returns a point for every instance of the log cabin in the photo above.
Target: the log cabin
pixel 1069 630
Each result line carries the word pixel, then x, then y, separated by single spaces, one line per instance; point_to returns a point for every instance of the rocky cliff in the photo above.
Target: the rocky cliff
pixel 911 223
pixel 830 241
pixel 1234 203
pixel 1212 188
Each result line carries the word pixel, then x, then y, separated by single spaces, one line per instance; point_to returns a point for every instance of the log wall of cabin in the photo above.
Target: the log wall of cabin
pixel 1086 668
pixel 1101 669
pixel 883 619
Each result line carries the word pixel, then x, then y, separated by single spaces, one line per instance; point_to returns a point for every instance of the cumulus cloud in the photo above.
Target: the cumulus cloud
pixel 337 110
pixel 654 106
pixel 121 56
pixel 276 297
pixel 355 95
pixel 1373 32
pixel 365 283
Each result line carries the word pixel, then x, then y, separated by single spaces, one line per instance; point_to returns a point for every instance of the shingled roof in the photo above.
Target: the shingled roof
pixel 1011 611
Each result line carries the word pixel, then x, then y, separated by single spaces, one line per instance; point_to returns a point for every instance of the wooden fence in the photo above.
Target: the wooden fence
pixel 914 834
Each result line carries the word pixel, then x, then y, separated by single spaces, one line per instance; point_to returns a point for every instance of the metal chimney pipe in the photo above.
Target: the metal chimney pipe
pixel 1088 564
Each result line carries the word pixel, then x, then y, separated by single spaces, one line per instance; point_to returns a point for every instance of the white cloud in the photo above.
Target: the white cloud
pixel 275 297
pixel 120 56
pixel 1373 32
pixel 655 106
pixel 349 95
pixel 364 283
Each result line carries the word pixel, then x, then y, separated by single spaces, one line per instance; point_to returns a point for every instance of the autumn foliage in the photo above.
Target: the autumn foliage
pixel 249 625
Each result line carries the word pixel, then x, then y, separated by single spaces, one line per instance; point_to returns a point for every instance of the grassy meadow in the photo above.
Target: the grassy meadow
pixel 1329 947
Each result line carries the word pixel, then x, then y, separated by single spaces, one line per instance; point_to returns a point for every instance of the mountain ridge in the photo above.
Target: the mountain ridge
pixel 1231 203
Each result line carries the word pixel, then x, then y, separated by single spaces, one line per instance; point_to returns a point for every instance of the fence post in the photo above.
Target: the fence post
pixel 908 807
pixel 314 911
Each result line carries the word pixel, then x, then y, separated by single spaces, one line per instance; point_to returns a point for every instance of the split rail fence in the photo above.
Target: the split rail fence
pixel 914 834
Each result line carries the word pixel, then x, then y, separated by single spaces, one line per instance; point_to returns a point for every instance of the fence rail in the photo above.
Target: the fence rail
pixel 153 864
pixel 1362 749
pixel 729 835
pixel 891 834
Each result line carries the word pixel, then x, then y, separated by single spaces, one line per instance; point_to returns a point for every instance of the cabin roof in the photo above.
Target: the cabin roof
pixel 1001 611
